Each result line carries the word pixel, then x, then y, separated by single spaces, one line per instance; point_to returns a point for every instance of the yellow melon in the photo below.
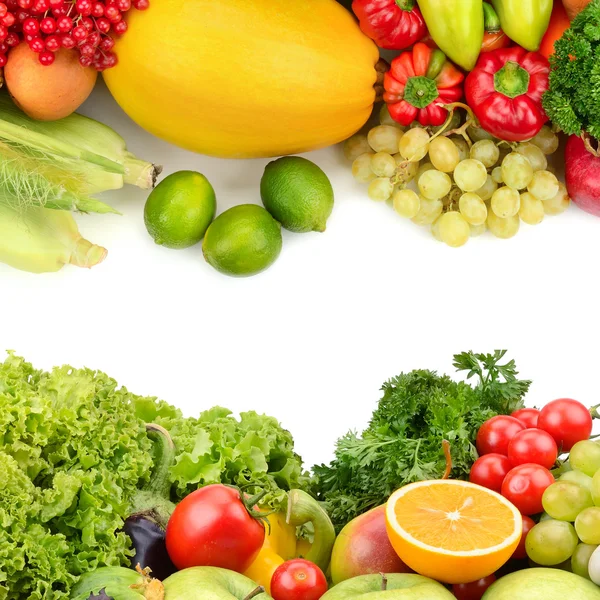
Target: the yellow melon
pixel 245 78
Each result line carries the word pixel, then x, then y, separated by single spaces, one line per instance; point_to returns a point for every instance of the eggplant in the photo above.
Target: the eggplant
pixel 152 508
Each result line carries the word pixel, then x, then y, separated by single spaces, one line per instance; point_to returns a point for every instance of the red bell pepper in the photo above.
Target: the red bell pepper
pixel 391 24
pixel 505 92
pixel 418 83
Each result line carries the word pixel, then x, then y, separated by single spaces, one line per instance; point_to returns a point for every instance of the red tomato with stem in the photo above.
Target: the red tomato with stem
pixel 533 446
pixel 527 416
pixel 520 553
pixel 473 590
pixel 490 470
pixel 215 526
pixel 298 579
pixel 495 434
pixel 567 421
pixel 525 485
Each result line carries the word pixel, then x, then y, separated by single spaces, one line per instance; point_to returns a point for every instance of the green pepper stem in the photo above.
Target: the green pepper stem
pixel 303 508
pixel 512 80
pixel 406 4
pixel 491 21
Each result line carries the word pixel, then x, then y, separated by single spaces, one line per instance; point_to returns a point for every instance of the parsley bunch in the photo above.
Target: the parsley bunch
pixel 403 442
pixel 573 100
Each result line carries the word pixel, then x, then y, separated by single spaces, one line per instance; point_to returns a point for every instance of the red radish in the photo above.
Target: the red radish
pixel 582 174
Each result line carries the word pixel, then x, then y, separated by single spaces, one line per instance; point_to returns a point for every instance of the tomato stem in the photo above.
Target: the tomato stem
pixel 594 411
pixel 255 592
pixel 406 4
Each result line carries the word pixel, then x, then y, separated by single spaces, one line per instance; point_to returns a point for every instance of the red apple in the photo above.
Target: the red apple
pixel 363 547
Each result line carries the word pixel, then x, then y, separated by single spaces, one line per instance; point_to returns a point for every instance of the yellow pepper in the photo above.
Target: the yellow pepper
pixel 280 537
pixel 264 565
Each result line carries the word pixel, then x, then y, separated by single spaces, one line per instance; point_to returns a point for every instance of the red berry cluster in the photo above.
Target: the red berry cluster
pixel 90 26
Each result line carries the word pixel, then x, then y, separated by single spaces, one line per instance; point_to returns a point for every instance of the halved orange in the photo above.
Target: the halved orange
pixel 452 531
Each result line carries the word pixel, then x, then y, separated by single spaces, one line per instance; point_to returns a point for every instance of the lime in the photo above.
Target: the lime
pixel 180 209
pixel 297 193
pixel 242 241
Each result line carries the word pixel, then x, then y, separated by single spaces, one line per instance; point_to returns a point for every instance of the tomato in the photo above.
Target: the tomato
pixel 524 486
pixel 520 553
pixel 495 434
pixel 527 416
pixel 213 527
pixel 489 471
pixel 473 590
pixel 532 446
pixel 298 579
pixel 567 421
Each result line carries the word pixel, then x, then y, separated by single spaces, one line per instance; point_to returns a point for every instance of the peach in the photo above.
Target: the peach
pixel 47 93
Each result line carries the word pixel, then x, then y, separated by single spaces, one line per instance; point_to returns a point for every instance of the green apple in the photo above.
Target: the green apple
pixel 395 586
pixel 211 583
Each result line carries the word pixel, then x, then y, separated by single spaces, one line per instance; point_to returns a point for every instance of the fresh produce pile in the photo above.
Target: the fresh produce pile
pixel 109 495
pixel 458 137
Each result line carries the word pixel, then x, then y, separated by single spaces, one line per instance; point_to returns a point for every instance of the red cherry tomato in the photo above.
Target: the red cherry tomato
pixel 527 416
pixel 532 446
pixel 298 579
pixel 489 471
pixel 524 486
pixel 520 552
pixel 495 434
pixel 567 421
pixel 473 590
pixel 212 527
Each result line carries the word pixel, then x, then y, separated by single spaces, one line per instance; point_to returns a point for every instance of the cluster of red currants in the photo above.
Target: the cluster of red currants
pixel 48 25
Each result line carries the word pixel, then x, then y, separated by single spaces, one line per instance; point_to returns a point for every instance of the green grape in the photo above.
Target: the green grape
pixel 487 189
pixel 380 189
pixel 454 123
pixel 485 151
pixel 453 229
pixel 406 203
pixel 581 559
pixel 477 230
pixel 546 140
pixel 386 119
pixel 559 203
pixel 497 175
pixel 423 168
pixel 461 146
pixel 587 525
pixel 435 229
pixel 564 500
pixel 414 144
pixel 405 170
pixel 502 228
pixel 383 164
pixel 385 138
pixel 361 168
pixel 443 154
pixel 531 210
pixel 596 488
pixel 517 171
pixel 356 146
pixel 470 175
pixel 473 208
pixel 550 543
pixel 506 202
pixel 478 133
pixel 577 477
pixel 434 184
pixel 534 155
pixel 543 185
pixel 545 517
pixel 585 457
pixel 429 211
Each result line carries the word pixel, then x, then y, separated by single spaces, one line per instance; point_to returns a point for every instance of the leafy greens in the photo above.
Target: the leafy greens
pixel 403 442
pixel 74 451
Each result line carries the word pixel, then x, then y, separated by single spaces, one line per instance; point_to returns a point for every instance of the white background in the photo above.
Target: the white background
pixel 311 340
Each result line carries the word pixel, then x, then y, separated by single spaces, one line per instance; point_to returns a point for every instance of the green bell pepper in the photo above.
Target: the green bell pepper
pixel 524 21
pixel 456 26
